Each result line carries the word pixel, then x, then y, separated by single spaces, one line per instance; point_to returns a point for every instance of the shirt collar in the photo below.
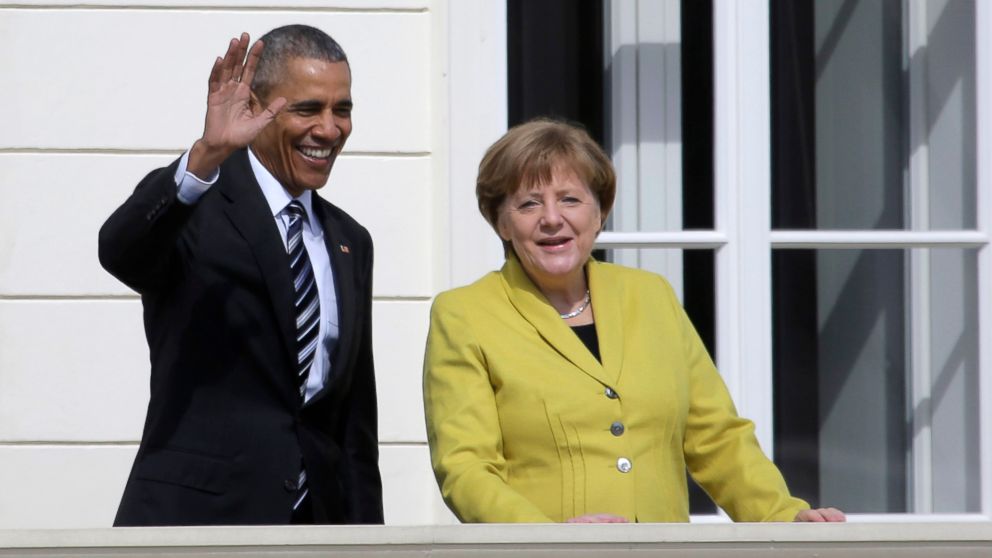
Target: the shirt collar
pixel 275 195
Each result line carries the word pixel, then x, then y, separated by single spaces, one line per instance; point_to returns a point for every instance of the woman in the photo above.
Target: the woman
pixel 565 389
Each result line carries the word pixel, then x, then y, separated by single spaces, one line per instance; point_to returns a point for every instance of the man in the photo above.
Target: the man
pixel 257 304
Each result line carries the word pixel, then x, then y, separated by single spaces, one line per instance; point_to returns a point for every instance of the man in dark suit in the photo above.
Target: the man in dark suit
pixel 257 300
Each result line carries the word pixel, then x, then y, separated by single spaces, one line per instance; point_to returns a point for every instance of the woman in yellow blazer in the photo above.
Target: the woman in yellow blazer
pixel 564 389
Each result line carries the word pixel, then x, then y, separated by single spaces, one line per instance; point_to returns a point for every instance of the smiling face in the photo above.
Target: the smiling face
pixel 299 147
pixel 552 228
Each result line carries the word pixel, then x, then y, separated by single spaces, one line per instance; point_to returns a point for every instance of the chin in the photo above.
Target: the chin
pixel 560 270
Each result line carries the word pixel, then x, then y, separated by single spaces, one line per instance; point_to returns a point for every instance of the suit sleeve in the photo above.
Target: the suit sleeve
pixel 463 426
pixel 721 450
pixel 138 244
pixel 363 483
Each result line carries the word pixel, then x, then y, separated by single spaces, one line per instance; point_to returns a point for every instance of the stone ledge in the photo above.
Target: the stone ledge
pixel 783 540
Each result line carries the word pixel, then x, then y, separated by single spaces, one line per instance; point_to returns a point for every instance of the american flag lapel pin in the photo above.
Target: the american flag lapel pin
pixel 344 249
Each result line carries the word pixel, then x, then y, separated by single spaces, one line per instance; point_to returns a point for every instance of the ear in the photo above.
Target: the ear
pixel 255 104
pixel 502 227
pixel 601 218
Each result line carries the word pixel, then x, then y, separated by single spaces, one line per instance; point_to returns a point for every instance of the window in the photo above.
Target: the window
pixel 807 175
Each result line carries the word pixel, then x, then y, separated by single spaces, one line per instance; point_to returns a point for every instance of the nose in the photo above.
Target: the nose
pixel 551 215
pixel 327 128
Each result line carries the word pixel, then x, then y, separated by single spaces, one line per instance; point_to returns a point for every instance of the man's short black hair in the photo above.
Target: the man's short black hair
pixel 285 43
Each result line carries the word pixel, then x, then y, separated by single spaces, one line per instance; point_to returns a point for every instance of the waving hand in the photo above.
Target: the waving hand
pixel 231 123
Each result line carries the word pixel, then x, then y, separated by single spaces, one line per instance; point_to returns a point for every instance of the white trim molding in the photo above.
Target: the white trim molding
pixel 983 84
pixel 742 189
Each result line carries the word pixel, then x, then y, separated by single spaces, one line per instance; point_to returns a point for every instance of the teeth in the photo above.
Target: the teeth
pixel 315 153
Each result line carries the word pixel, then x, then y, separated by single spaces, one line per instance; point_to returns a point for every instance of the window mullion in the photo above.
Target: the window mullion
pixel 917 179
pixel 742 190
pixel 983 85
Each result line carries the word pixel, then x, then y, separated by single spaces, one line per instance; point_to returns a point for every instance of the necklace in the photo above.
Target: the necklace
pixel 579 310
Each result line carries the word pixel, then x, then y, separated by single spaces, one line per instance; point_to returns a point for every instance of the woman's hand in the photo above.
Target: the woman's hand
pixel 820 515
pixel 598 518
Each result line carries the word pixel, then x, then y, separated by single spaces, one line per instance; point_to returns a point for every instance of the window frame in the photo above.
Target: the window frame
pixel 744 240
pixel 472 113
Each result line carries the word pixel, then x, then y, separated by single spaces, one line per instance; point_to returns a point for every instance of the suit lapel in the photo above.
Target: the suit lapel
pixel 343 269
pixel 534 307
pixel 251 216
pixel 607 305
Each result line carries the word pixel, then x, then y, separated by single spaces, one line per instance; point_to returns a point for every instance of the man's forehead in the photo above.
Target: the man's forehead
pixel 315 78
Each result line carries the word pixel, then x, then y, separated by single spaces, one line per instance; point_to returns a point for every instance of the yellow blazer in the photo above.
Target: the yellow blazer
pixel 521 416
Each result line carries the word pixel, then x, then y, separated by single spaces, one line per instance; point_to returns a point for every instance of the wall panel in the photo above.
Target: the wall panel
pixel 52 206
pixel 116 79
pixel 47 486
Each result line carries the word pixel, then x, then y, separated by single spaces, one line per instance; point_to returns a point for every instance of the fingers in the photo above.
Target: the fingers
pixel 213 83
pixel 253 55
pixel 821 515
pixel 833 515
pixel 598 518
pixel 231 65
pixel 809 516
pixel 227 64
pixel 239 57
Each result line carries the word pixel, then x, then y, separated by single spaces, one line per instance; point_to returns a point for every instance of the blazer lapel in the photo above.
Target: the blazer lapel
pixel 343 269
pixel 607 304
pixel 534 307
pixel 251 216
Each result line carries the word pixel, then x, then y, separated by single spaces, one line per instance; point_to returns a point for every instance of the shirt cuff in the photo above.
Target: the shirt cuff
pixel 191 188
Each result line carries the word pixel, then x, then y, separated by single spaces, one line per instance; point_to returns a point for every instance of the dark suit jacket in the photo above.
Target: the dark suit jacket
pixel 226 432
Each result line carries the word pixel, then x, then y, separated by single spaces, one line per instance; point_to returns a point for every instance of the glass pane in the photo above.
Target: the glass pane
pixel 949 133
pixel 847 325
pixel 691 273
pixel 873 114
pixel 697 114
pixel 952 403
pixel 661 116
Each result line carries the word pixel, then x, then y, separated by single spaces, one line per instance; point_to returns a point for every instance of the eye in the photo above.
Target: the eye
pixel 527 205
pixel 570 201
pixel 343 112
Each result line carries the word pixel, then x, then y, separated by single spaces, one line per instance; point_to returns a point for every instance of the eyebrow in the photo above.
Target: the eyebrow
pixel 314 104
pixel 311 104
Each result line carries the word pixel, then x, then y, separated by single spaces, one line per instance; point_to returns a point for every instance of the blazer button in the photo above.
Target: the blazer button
pixel 610 393
pixel 616 428
pixel 624 465
pixel 290 485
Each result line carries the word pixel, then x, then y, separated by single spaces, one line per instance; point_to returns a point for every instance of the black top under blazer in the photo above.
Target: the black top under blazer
pixel 226 432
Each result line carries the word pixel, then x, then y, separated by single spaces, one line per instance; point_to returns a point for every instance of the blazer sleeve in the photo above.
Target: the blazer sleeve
pixel 138 244
pixel 721 450
pixel 363 483
pixel 463 426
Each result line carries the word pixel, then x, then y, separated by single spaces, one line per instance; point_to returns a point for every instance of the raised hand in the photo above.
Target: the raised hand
pixel 232 122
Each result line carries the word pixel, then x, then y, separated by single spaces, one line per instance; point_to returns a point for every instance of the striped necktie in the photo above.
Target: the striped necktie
pixel 307 310
pixel 306 302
